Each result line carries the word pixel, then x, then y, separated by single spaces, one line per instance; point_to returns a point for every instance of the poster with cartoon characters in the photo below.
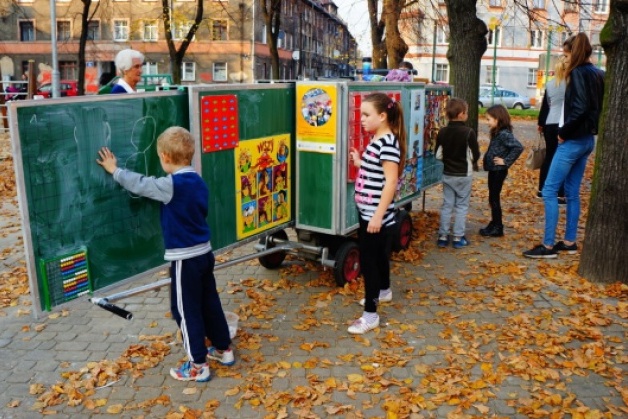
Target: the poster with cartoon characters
pixel 317 118
pixel 262 179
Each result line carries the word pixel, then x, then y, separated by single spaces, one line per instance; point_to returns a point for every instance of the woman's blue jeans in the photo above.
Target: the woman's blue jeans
pixel 567 166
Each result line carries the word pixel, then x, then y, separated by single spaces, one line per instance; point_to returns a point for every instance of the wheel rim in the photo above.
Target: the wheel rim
pixel 351 266
pixel 405 233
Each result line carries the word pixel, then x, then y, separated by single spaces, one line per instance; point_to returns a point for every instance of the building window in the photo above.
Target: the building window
pixel 601 6
pixel 180 30
pixel 571 6
pixel 68 70
pixel 188 71
pixel 64 30
pixel 489 75
pixel 442 37
pixel 27 30
pixel 219 30
pixel 495 3
pixel 531 76
pixel 442 73
pixel 93 30
pixel 150 30
pixel 539 4
pixel 150 68
pixel 220 72
pixel 494 35
pixel 120 30
pixel 536 38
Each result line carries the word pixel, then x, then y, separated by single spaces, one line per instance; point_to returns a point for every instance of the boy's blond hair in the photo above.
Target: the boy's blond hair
pixel 178 144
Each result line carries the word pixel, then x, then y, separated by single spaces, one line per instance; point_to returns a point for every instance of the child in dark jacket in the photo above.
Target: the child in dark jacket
pixel 503 150
pixel 457 147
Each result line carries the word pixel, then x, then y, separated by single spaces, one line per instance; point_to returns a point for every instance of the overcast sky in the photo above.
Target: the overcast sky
pixel 355 13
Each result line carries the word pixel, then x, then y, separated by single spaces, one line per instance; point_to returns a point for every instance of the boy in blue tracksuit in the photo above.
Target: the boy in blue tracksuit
pixel 194 300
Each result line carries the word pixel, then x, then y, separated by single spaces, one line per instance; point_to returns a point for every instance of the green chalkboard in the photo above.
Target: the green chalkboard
pixel 263 111
pixel 67 200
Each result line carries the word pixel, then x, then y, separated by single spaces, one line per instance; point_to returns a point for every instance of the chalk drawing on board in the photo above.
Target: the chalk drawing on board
pixel 138 161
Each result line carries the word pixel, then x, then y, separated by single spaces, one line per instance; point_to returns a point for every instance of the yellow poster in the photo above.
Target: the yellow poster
pixel 262 179
pixel 317 115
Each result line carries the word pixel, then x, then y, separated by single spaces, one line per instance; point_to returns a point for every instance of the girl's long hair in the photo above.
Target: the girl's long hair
pixel 580 52
pixel 394 115
pixel 500 113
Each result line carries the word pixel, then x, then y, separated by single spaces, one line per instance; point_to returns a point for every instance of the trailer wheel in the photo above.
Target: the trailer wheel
pixel 347 268
pixel 403 231
pixel 274 260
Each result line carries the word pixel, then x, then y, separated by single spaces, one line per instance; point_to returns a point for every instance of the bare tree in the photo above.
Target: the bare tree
pixel 271 12
pixel 377 26
pixel 177 55
pixel 86 17
pixel 603 256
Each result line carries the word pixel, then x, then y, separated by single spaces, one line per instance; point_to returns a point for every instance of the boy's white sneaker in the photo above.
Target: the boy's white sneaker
pixel 383 298
pixel 361 326
pixel 223 357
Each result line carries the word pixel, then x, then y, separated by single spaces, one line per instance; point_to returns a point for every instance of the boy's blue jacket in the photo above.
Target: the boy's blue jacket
pixel 184 197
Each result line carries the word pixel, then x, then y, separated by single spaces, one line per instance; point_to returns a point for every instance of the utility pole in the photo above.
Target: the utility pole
pixel 547 58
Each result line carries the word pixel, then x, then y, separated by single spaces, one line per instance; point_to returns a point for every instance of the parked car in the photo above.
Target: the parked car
pixel 508 98
pixel 66 88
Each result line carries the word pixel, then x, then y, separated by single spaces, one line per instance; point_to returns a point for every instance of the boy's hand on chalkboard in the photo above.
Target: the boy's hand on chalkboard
pixel 107 160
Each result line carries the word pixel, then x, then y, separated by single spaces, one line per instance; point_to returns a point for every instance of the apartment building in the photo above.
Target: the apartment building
pixel 521 35
pixel 230 44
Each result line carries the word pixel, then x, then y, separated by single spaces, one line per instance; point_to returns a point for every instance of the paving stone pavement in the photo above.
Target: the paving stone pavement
pixel 439 330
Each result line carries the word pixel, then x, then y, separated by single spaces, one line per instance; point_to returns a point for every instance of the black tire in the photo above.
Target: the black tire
pixel 273 260
pixel 402 235
pixel 347 268
pixel 408 207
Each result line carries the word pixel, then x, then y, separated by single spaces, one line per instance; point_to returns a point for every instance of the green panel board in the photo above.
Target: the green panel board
pixel 315 181
pixel 262 112
pixel 71 202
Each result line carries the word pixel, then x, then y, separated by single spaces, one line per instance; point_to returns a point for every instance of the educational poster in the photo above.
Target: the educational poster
pixel 316 118
pixel 262 182
pixel 219 123
pixel 411 179
pixel 358 138
pixel 435 117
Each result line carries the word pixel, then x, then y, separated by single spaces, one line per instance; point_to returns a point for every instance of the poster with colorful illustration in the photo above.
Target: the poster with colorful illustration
pixel 316 118
pixel 219 122
pixel 435 117
pixel 262 183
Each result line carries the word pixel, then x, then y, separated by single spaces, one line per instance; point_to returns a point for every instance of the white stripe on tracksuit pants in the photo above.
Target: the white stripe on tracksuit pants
pixel 196 307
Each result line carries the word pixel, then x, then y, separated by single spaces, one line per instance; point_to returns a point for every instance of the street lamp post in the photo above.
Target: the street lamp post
pixel 493 24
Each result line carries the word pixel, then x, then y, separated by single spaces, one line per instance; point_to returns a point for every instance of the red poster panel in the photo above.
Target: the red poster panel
pixel 358 138
pixel 219 123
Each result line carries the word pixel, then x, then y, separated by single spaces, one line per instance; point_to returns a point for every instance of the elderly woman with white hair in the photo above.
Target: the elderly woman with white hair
pixel 129 65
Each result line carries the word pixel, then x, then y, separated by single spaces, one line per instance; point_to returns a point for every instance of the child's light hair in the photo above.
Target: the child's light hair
pixel 178 144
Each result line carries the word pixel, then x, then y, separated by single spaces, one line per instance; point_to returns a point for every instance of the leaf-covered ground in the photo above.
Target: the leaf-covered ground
pixel 473 333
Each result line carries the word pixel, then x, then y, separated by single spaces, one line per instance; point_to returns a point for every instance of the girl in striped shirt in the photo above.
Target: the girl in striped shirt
pixel 380 168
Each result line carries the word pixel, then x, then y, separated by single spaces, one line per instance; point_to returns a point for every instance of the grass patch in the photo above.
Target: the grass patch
pixel 527 114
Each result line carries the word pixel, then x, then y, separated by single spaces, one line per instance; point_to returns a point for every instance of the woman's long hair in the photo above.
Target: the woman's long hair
pixel 580 52
pixel 394 115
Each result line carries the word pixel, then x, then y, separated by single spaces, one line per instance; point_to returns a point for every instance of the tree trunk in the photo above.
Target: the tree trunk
pixel 176 56
pixel 377 26
pixel 85 18
pixel 396 47
pixel 603 256
pixel 467 44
